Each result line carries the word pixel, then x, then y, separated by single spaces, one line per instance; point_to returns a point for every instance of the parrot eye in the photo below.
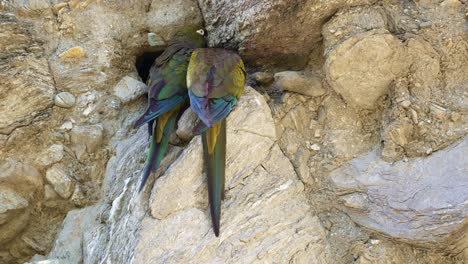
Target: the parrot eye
pixel 201 32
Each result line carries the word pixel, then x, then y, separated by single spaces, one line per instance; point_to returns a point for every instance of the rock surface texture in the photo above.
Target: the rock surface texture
pixel 274 33
pixel 362 84
pixel 349 148
pixel 261 188
pixel 408 200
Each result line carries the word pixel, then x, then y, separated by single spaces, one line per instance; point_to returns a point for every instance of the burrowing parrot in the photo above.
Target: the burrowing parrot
pixel 215 81
pixel 167 93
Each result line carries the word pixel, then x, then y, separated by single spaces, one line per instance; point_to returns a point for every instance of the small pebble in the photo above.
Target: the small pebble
pixel 313 123
pixel 405 103
pixel 414 116
pixel 304 83
pixel 78 197
pixel 49 193
pixel 263 77
pixel 129 89
pixel 74 3
pixel 426 24
pixel 439 112
pixel 155 40
pixel 451 3
pixel 422 131
pixel 399 99
pixel 455 116
pixel 75 53
pixel 56 8
pixel 327 224
pixel 65 100
pixel 315 147
pixel 317 133
pixel 51 155
pixel 88 110
pixel 449 43
pixel 67 126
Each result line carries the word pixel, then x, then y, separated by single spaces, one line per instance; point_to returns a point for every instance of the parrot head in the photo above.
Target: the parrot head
pixel 191 33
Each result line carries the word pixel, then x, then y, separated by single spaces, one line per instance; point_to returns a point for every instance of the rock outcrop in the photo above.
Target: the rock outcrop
pixel 408 200
pixel 265 208
pixel 381 61
pixel 59 63
pixel 271 33
pixel 25 76
pixel 346 93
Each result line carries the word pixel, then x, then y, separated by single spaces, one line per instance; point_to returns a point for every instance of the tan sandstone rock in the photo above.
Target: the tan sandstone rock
pixel 362 67
pixel 274 33
pixel 73 53
pixel 299 82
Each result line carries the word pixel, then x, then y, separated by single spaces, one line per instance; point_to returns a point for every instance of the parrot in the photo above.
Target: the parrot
pixel 215 82
pixel 167 93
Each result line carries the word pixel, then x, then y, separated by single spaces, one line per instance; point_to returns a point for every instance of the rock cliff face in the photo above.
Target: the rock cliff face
pixel 348 145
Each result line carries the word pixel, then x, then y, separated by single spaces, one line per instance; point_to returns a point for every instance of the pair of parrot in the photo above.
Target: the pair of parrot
pixel 212 80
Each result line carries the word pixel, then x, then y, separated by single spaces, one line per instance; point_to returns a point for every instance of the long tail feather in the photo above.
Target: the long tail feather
pixel 214 147
pixel 157 149
pixel 150 128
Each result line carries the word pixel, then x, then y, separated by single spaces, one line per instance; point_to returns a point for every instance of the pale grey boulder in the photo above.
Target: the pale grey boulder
pixel 58 176
pixel 65 100
pixel 86 139
pixel 128 89
pixel 421 201
pixel 10 203
pixel 51 155
pixel 185 125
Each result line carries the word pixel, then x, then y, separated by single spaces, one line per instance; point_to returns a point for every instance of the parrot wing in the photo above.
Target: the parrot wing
pixel 166 85
pixel 167 94
pixel 162 129
pixel 215 79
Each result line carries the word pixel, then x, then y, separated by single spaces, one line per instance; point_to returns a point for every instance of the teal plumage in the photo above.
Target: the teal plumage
pixel 215 79
pixel 167 93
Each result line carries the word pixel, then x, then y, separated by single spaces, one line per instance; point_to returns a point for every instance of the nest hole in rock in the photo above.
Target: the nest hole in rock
pixel 144 60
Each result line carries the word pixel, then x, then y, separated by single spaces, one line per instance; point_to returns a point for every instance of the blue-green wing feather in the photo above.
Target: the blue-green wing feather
pixel 167 90
pixel 166 86
pixel 158 108
pixel 213 110
pixel 158 150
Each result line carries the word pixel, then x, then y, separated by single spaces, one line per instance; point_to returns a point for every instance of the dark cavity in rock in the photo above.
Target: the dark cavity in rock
pixel 144 61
